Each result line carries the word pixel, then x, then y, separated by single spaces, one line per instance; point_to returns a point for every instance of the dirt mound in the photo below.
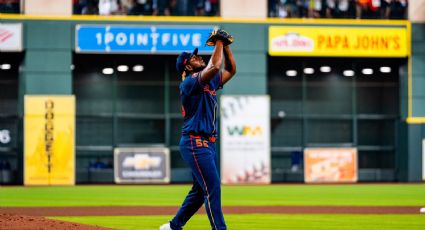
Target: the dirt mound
pixel 14 221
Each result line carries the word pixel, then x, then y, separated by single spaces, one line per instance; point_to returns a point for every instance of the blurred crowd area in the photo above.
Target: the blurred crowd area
pixel 148 7
pixel 361 9
pixel 10 6
pixel 367 9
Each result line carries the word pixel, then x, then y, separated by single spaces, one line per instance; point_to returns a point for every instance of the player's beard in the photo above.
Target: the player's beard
pixel 200 68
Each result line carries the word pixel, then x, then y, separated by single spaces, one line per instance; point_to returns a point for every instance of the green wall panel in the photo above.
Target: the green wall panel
pixel 403 94
pixel 418 72
pixel 419 86
pixel 48 61
pixel 252 37
pixel 418 32
pixel 402 151
pixel 246 84
pixel 251 63
pixel 48 83
pixel 410 161
pixel 418 62
pixel 403 108
pixel 48 34
pixel 419 106
pixel 414 162
pixel 419 48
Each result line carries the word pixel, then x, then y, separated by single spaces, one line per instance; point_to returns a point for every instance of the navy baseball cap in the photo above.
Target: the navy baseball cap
pixel 183 59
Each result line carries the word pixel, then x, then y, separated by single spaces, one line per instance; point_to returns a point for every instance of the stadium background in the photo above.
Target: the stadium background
pixel 381 115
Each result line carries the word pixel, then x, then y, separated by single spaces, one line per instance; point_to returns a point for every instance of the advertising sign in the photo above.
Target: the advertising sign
pixel 11 37
pixel 49 140
pixel 5 136
pixel 140 39
pixel 142 165
pixel 330 165
pixel 245 139
pixel 347 41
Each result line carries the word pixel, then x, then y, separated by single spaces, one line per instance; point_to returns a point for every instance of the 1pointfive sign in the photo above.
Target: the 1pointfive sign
pixel 140 39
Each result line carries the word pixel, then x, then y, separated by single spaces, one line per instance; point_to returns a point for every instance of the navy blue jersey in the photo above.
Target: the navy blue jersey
pixel 200 105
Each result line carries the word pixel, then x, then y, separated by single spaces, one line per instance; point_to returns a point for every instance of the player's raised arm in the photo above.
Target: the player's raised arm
pixel 214 64
pixel 229 65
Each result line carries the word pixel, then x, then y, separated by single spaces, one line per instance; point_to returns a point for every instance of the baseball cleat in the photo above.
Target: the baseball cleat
pixel 165 227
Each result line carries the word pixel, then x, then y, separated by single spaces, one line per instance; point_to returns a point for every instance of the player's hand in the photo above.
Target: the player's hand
pixel 219 35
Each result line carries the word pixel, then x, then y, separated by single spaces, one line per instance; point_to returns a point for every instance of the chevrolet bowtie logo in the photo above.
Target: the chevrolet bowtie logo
pixel 142 161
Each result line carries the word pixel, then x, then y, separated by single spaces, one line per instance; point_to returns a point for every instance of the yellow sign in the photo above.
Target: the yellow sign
pixel 338 41
pixel 330 165
pixel 49 140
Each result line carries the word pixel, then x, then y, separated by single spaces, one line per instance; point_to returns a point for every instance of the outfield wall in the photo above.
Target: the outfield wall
pixel 391 151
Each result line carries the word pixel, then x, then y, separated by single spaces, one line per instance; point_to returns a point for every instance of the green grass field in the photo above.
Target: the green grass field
pixel 303 195
pixel 269 221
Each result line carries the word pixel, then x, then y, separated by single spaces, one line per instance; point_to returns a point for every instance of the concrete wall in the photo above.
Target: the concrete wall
pixel 48 7
pixel 243 9
pixel 417 10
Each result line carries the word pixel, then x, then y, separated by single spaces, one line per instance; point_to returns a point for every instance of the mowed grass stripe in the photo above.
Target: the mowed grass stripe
pixel 166 195
pixel 261 221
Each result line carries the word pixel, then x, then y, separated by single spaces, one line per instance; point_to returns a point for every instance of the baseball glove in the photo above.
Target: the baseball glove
pixel 219 34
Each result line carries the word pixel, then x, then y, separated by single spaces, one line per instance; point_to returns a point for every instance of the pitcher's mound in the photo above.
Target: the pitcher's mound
pixel 12 221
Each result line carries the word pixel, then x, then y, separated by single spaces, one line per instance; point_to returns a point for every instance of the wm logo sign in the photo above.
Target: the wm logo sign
pixel 244 130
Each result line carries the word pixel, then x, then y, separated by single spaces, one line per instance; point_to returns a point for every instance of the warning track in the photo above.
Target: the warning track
pixel 35 217
pixel 170 210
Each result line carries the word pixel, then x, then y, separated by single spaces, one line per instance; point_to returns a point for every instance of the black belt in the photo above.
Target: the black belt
pixel 208 137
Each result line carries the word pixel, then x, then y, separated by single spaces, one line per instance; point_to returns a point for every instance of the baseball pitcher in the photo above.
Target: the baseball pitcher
pixel 198 88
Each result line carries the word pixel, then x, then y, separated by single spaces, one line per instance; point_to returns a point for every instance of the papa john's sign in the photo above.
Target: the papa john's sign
pixel 330 165
pixel 11 37
pixel 338 41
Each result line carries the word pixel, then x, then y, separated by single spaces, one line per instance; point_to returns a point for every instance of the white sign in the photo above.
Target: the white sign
pixel 292 42
pixel 11 37
pixel 4 136
pixel 140 39
pixel 245 139
pixel 142 165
